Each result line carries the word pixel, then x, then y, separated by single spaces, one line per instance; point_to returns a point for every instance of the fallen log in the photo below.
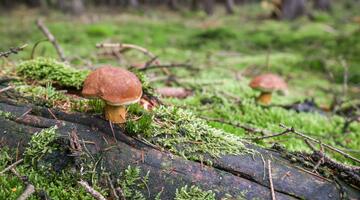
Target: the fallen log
pixel 244 176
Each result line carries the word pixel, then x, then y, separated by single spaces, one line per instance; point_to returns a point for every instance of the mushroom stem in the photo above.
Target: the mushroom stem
pixel 264 98
pixel 115 114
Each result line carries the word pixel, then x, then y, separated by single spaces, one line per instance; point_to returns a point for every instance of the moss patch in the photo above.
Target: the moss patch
pixel 184 134
pixel 193 193
pixel 47 70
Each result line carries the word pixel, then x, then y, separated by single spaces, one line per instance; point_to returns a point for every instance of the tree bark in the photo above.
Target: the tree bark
pixel 229 6
pixel 240 176
pixel 209 6
pixel 291 9
pixel 194 5
pixel 74 7
pixel 324 5
pixel 173 4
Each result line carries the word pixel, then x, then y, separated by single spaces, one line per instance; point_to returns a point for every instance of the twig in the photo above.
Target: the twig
pixel 91 190
pixel 243 126
pixel 23 115
pixel 35 45
pixel 264 164
pixel 11 166
pixel 121 193
pixel 52 114
pixel 172 65
pixel 6 89
pixel 317 141
pixel 30 189
pixel 123 46
pixel 112 130
pixel 321 160
pixel 148 63
pixel 51 38
pixel 13 50
pixel 270 136
pixel 271 182
pixel 112 187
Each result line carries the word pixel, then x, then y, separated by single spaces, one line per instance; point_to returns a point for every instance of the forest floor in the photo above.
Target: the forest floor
pixel 225 52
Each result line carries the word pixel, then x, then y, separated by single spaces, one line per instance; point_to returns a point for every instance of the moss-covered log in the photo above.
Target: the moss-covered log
pixel 242 176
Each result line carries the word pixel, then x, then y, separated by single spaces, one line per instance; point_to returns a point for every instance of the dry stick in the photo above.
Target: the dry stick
pixel 243 126
pixel 270 136
pixel 172 65
pixel 91 190
pixel 6 89
pixel 112 130
pixel 35 45
pixel 14 50
pixel 11 166
pixel 321 161
pixel 30 189
pixel 317 141
pixel 125 46
pixel 51 38
pixel 271 182
pixel 121 193
pixel 148 63
pixel 23 115
pixel 112 187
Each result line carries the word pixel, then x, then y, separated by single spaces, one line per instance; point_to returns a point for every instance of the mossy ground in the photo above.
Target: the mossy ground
pixel 228 51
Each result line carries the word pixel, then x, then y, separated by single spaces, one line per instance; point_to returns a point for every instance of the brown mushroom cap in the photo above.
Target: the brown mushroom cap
pixel 114 85
pixel 268 83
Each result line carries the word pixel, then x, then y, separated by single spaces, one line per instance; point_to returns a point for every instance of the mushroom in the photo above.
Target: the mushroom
pixel 267 83
pixel 117 87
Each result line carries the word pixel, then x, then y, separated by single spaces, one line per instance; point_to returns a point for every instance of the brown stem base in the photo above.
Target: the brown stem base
pixel 115 114
pixel 264 98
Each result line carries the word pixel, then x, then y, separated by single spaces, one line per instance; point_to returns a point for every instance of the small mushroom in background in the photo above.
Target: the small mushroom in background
pixel 174 92
pixel 117 87
pixel 267 84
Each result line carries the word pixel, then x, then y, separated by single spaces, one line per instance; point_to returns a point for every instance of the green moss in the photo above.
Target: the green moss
pixel 193 193
pixel 58 185
pixel 41 143
pixel 6 115
pixel 184 134
pixel 132 183
pixel 46 70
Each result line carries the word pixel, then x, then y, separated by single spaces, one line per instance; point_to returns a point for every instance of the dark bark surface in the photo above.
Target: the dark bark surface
pixel 291 9
pixel 324 5
pixel 243 175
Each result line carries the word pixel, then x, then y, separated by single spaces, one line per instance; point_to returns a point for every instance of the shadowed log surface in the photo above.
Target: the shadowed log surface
pixel 239 176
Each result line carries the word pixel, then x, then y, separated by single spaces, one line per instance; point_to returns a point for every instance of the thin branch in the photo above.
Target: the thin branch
pixel 13 50
pixel 112 130
pixel 113 191
pixel 151 61
pixel 30 189
pixel 270 136
pixel 122 46
pixel 23 115
pixel 51 38
pixel 11 166
pixel 35 45
pixel 172 65
pixel 271 182
pixel 243 126
pixel 319 142
pixel 6 89
pixel 91 190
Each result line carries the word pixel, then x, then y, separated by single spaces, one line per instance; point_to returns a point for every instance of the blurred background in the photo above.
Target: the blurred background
pixel 313 44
